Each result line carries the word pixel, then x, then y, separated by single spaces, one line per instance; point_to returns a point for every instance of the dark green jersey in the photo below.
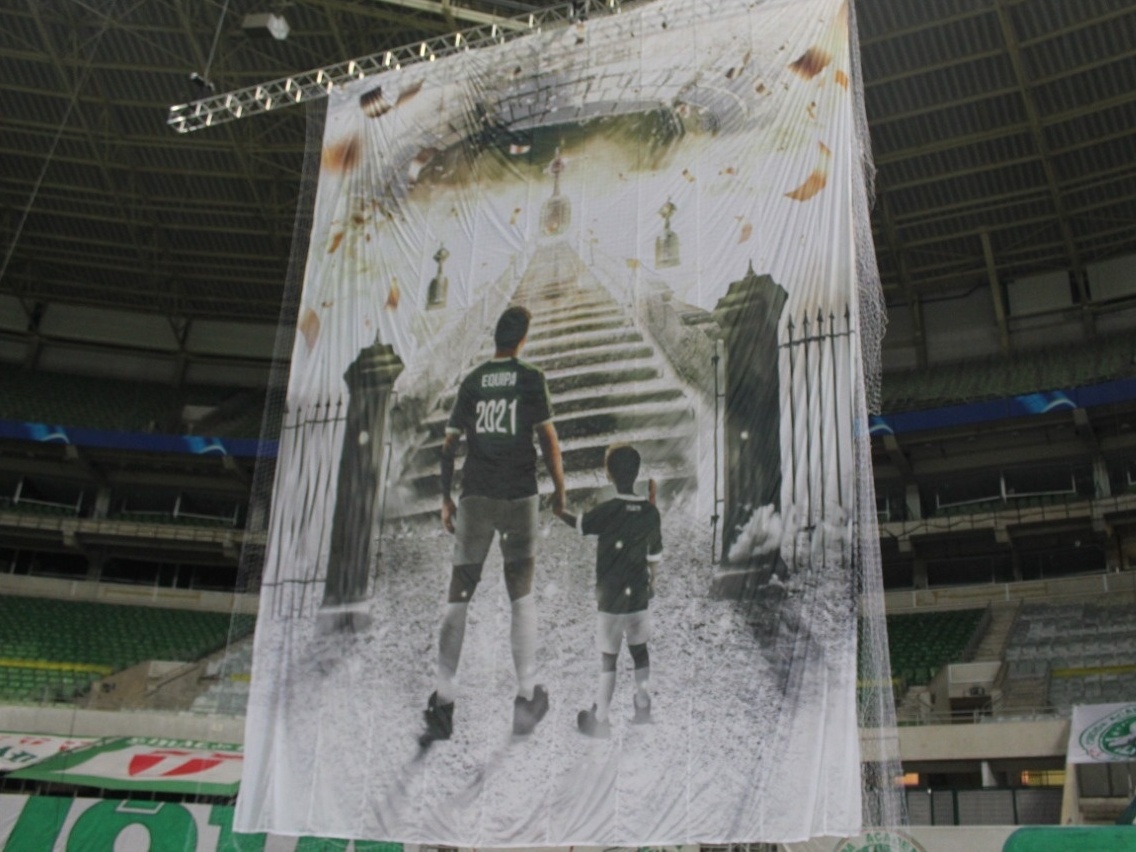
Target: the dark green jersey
pixel 630 538
pixel 498 406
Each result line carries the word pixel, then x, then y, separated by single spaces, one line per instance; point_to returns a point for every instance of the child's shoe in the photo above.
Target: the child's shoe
pixel 588 724
pixel 642 702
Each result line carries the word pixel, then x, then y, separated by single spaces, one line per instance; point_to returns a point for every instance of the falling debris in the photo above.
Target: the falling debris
pixel 737 72
pixel 310 328
pixel 393 296
pixel 747 232
pixel 408 93
pixel 686 174
pixel 336 240
pixel 816 181
pixel 841 78
pixel 342 156
pixel 810 63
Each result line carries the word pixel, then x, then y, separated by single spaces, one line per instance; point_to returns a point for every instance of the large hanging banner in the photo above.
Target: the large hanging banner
pixel 561 544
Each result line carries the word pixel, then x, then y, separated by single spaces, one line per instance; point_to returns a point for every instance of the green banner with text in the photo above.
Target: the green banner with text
pixel 53 824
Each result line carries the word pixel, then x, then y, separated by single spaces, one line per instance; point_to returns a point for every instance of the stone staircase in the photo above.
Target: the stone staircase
pixel 1024 696
pixel 1101 811
pixel 1024 689
pixel 992 646
pixel 608 384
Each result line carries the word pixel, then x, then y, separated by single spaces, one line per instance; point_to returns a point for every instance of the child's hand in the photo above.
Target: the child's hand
pixel 652 490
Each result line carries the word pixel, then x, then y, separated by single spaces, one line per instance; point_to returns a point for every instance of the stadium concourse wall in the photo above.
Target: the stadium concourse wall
pixel 1117 587
pixel 123 593
pixel 95 341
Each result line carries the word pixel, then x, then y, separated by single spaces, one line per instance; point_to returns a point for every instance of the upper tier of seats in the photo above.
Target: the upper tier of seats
pixel 131 406
pixel 998 376
pixel 124 406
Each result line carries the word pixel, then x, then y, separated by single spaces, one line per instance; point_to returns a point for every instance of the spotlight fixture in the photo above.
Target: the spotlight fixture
pixel 200 82
pixel 262 24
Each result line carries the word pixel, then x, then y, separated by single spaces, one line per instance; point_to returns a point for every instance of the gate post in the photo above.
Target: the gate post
pixel 748 315
pixel 358 501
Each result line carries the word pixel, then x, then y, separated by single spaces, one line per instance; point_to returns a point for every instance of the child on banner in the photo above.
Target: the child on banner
pixel 627 554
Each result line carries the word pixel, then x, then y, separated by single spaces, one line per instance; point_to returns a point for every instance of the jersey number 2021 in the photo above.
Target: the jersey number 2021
pixel 496 416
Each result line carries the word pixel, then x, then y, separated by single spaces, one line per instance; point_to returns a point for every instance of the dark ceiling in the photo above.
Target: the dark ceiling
pixel 1002 133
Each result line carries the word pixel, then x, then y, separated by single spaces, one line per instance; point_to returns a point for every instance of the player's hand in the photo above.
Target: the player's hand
pixel 449 512
pixel 652 490
pixel 559 502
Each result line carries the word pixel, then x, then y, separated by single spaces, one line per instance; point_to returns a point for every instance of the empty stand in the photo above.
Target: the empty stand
pixel 1085 652
pixel 994 377
pixel 920 644
pixel 53 649
pixel 125 406
pixel 229 678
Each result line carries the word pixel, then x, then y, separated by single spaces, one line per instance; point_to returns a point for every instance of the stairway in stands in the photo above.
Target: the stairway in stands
pixel 608 384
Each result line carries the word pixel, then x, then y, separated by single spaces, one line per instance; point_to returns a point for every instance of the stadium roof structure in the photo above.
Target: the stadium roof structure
pixel 1001 131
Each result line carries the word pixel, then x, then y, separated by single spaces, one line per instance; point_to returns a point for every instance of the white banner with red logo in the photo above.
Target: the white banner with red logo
pixel 145 763
pixel 18 751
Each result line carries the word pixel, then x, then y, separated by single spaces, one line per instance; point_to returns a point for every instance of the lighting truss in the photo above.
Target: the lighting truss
pixel 311 85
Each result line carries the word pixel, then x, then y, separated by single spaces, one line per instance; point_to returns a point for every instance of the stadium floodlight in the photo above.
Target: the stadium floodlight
pixel 215 109
pixel 263 24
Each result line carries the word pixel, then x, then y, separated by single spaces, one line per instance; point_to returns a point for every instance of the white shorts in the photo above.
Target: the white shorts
pixel 612 627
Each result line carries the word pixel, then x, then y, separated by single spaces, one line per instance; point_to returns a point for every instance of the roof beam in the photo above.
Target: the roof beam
pixel 997 294
pixel 246 170
pixel 156 170
pixel 65 195
pixel 99 152
pixel 130 222
pixel 448 11
pixel 1033 125
pixel 914 302
pixel 1058 200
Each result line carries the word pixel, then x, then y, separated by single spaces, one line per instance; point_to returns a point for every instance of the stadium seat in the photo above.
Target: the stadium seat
pixel 55 648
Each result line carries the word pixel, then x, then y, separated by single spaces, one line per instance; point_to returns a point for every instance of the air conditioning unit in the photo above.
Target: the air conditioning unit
pixel 977 691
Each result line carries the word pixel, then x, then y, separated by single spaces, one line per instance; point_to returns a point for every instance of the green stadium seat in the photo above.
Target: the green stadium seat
pixel 81 634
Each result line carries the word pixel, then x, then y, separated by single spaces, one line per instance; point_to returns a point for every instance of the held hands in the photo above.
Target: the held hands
pixel 449 512
pixel 559 502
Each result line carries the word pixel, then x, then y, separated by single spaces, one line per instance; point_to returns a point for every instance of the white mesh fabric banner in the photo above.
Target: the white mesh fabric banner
pixel 561 539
